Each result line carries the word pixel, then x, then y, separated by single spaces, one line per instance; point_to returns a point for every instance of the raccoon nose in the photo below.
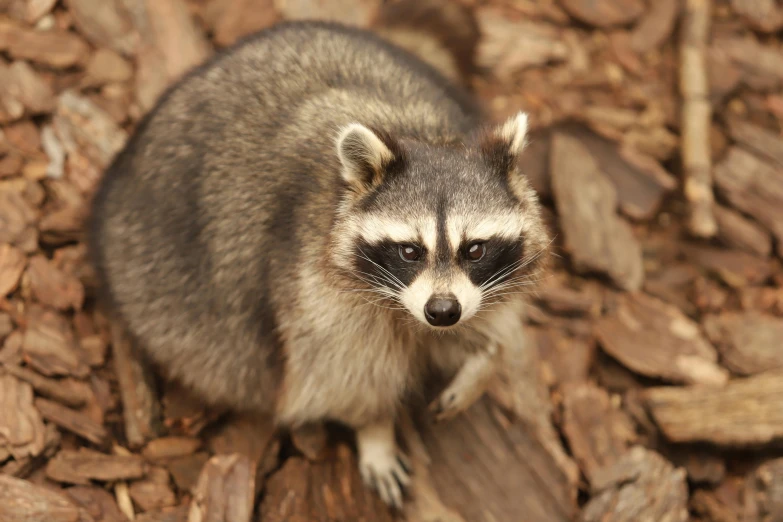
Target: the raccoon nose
pixel 441 311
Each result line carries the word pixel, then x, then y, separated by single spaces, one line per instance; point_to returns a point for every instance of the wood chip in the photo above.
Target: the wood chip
pixel 50 346
pixel 562 300
pixel 655 26
pixel 53 287
pixel 106 66
pixel 596 237
pixel 171 447
pixel 22 500
pixel 746 412
pixel 763 501
pixel 67 391
pixel 30 11
pixel 12 264
pixel 604 14
pixel 763 142
pixel 185 470
pixel 749 342
pixel 55 48
pixel 225 490
pixel 22 83
pixel 736 231
pixel 656 339
pixel 21 427
pixel 564 359
pixel 351 12
pixel 83 465
pixel 311 440
pixel 18 217
pixel 641 485
pixel 106 23
pixel 151 495
pixel 72 420
pixel 97 502
pixel 598 432
pixel 734 267
pixel 707 505
pixel 764 15
pixel 236 19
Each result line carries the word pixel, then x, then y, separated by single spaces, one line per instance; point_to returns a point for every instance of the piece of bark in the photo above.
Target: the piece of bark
pixel 737 231
pixel 97 502
pixel 668 285
pixel 50 345
pixel 321 491
pixel 655 339
pixel 702 467
pixel 655 26
pixel 760 66
pixel 68 391
pixel 765 299
pixel 22 430
pixel 252 436
pixel 6 325
pixel 641 485
pixel 83 465
pixel 764 15
pixel 185 470
pixel 563 300
pixel 106 66
pixel 696 117
pixel 598 432
pixel 28 11
pixel 177 514
pixel 764 493
pixel 757 139
pixel 745 412
pixel 170 447
pixel 24 84
pixel 225 490
pixel 11 164
pixel 706 504
pixel 106 23
pixel 735 268
pixel 151 77
pixel 22 500
pixel 53 287
pixel 24 136
pixel 564 359
pixel 596 237
pixel 605 14
pixel 141 410
pixel 236 19
pixel 183 412
pixel 56 48
pixel 12 265
pixel 350 12
pixel 72 420
pixel 749 342
pixel 18 217
pixel 509 46
pixel 152 495
pixel 311 440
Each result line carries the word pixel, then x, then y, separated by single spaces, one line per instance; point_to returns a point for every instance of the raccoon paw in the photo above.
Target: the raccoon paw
pixel 454 400
pixel 388 473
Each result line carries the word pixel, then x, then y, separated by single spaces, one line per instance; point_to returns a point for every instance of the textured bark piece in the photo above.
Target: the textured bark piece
pixel 596 237
pixel 50 346
pixel 351 12
pixel 177 514
pixel 598 432
pixel 760 66
pixel 22 430
pixel 641 485
pixel 55 48
pixel 235 19
pixel 12 264
pixel 151 495
pixel 735 268
pixel 562 300
pixel 106 23
pixel 749 342
pixel 53 287
pixel 97 502
pixel 604 14
pixel 762 142
pixel 747 411
pixel 764 15
pixel 170 447
pixel 18 217
pixel 707 505
pixel 28 11
pixel 564 359
pixel 655 26
pixel 72 420
pixel 83 465
pixel 655 339
pixel 23 84
pixel 225 490
pixel 186 470
pixel 141 409
pixel 249 435
pixel 311 440
pixel 106 66
pixel 739 232
pixel 508 46
pixel 67 391
pixel 22 500
pixel 764 493
pixel 696 117
pixel 320 491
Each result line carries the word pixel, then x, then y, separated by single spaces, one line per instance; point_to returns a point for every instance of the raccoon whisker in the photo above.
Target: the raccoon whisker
pixel 378 280
pixel 500 274
pixel 392 276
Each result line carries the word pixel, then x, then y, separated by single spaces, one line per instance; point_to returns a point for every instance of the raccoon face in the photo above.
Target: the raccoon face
pixel 442 232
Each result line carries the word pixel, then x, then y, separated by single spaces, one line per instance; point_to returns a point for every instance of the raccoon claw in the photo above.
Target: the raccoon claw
pixel 446 406
pixel 388 475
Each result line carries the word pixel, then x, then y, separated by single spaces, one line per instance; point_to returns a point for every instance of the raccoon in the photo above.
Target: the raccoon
pixel 311 224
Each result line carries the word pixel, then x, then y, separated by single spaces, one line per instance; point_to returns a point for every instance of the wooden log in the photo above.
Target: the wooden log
pixel 225 490
pixel 696 117
pixel 745 412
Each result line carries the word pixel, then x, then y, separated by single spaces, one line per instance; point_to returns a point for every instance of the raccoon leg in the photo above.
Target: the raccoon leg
pixel 467 386
pixel 383 466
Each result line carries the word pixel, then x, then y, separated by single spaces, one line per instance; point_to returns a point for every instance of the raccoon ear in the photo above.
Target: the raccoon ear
pixel 502 147
pixel 364 156
pixel 513 133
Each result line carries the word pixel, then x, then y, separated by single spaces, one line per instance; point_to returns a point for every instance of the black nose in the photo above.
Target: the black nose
pixel 442 311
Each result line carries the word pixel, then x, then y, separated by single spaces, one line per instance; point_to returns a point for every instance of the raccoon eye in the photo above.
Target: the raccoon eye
pixel 410 253
pixel 476 251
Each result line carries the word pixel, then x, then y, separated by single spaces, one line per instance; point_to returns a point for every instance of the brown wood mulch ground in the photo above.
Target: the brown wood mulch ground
pixel 654 389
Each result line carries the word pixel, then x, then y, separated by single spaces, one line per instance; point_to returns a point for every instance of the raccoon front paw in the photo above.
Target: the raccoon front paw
pixel 454 400
pixel 387 473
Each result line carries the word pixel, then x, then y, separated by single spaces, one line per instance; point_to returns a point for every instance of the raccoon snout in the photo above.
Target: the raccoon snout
pixel 442 311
